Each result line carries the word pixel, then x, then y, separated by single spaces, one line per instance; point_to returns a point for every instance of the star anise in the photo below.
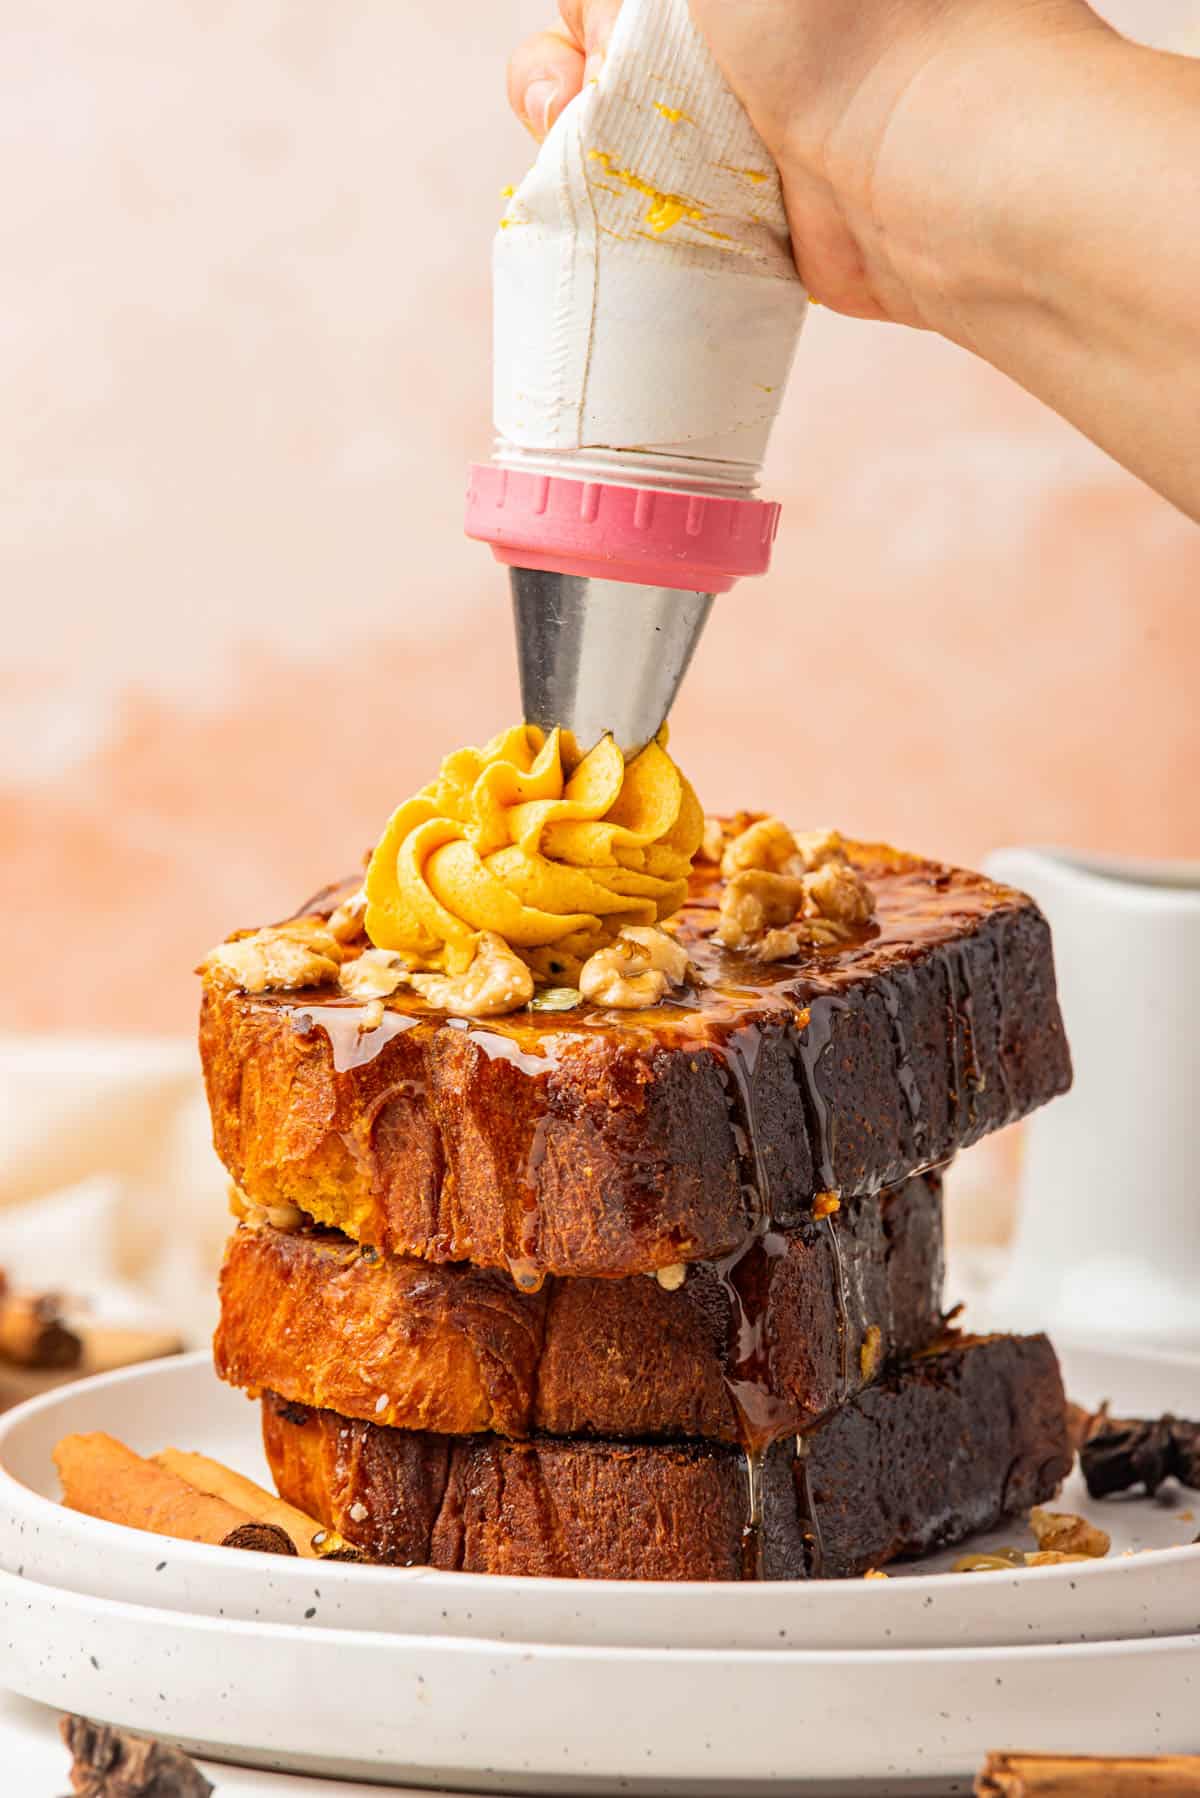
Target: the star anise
pixel 112 1763
pixel 1118 1453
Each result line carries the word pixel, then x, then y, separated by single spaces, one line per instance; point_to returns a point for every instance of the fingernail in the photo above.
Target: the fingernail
pixel 541 100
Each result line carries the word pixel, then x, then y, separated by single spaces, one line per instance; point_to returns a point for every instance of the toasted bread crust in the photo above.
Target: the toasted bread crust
pixel 949 1445
pixel 409 1344
pixel 585 1143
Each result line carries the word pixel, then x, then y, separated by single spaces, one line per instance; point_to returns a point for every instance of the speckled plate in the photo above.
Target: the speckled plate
pixel 537 1717
pixel 1129 1595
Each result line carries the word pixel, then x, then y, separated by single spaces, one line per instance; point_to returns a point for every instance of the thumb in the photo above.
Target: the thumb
pixel 543 75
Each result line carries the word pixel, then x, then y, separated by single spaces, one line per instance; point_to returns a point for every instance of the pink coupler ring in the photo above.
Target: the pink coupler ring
pixel 655 536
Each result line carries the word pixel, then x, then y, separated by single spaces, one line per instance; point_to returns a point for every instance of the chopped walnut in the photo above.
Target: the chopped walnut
pixel 785 893
pixel 496 981
pixel 777 945
pixel 871 1352
pixel 375 974
pixel 634 971
pixel 767 845
pixel 838 892
pixel 671 1278
pixel 712 843
pixel 346 922
pixel 1062 1532
pixel 279 958
pixel 816 847
pixel 754 902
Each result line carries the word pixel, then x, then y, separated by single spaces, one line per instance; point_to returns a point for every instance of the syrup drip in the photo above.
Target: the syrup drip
pixel 525 1266
pixel 972 1073
pixel 351 1045
pixel 745 1277
pixel 499 1047
pixel 763 1414
pixel 968 1082
pixel 1001 1056
pixel 839 1275
pixel 811 1044
pixel 906 1078
pixel 807 1513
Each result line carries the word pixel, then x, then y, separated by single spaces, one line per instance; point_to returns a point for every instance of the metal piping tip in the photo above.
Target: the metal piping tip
pixel 601 656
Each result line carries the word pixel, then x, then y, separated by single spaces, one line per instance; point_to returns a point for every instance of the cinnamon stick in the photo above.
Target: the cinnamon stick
pixel 311 1539
pixel 112 1763
pixel 103 1478
pixel 33 1334
pixel 1088 1776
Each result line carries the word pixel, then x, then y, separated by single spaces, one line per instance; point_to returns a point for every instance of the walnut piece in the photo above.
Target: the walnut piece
pixel 838 892
pixel 784 892
pixel 346 922
pixel 712 843
pixel 636 970
pixel 671 1278
pixel 816 847
pixel 773 846
pixel 496 981
pixel 1062 1532
pixel 754 902
pixel 777 945
pixel 278 958
pixel 375 974
pixel 767 845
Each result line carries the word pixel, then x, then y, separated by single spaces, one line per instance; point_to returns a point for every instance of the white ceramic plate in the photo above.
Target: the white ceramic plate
pixel 530 1717
pixel 181 1402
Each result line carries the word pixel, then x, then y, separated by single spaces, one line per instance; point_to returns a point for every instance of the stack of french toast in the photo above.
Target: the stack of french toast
pixel 647 1292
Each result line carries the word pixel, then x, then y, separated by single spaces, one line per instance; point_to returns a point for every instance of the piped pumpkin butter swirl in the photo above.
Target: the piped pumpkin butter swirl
pixel 527 841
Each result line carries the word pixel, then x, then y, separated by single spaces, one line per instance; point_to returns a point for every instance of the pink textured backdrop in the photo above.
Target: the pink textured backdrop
pixel 245 361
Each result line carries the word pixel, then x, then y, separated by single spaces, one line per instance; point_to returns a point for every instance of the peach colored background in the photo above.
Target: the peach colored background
pixel 244 353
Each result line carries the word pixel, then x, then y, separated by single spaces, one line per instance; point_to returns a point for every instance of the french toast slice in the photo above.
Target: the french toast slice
pixel 806 1319
pixel 948 1445
pixel 590 1142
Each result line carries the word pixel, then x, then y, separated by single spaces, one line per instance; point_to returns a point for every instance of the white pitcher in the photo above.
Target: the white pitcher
pixel 1108 1237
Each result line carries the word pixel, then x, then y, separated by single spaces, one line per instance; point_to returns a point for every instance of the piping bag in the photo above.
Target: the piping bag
pixel 646 312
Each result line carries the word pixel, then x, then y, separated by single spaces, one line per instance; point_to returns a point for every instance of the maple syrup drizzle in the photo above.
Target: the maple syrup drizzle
pixel 1000 1058
pixel 350 1045
pixel 906 1077
pixel 973 1074
pixel 840 1299
pixel 807 1512
pixel 811 1044
pixel 745 1276
pixel 763 1414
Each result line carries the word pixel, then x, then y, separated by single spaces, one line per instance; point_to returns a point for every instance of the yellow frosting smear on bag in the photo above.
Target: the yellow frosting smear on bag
pixel 553 851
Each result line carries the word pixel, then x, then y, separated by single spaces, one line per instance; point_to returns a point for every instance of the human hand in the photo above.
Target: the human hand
pixel 870 112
